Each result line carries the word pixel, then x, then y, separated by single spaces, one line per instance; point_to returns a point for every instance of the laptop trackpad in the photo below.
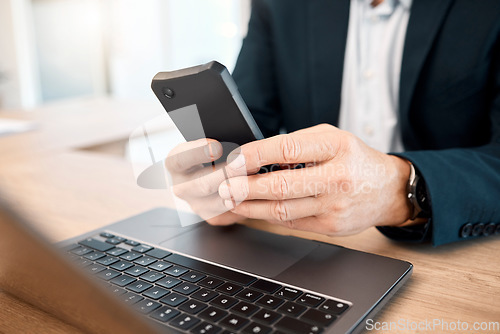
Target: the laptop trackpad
pixel 243 248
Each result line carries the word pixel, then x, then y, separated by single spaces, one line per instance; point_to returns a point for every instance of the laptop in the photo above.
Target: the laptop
pixel 147 274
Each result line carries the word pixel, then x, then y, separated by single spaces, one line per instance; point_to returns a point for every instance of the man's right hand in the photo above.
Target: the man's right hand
pixel 198 185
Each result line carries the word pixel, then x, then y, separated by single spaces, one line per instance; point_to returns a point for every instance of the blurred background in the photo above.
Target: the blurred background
pixel 61 49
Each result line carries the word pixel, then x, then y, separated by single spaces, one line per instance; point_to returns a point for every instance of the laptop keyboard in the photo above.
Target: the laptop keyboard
pixel 198 297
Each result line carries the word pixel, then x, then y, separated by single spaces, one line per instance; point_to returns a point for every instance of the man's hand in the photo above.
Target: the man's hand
pixel 345 187
pixel 197 184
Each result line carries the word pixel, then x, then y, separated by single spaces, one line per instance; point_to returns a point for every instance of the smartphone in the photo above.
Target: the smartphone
pixel 209 89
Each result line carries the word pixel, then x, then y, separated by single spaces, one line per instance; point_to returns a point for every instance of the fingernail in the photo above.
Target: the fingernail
pixel 237 162
pixel 228 204
pixel 224 191
pixel 211 150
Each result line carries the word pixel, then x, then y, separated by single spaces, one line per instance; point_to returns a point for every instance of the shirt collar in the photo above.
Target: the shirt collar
pixel 388 6
pixel 405 3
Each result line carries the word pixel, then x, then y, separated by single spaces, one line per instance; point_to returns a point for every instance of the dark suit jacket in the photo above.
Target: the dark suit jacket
pixel 290 73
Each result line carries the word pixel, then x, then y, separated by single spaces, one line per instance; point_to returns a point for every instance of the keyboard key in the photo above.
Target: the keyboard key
pixel 204 295
pixel 245 309
pixel 206 328
pixel 319 318
pixel 249 295
pixel 224 301
pixel 210 282
pixel 72 257
pixel 192 306
pixel 333 307
pixel 192 276
pixel 142 248
pixel 70 247
pixel 184 321
pixel 212 314
pixel 288 293
pixel 123 280
pixel 136 271
pixel 120 239
pixel 122 265
pixel 113 241
pixel 310 300
pixel 160 266
pixel 176 271
pixel 146 306
pixel 131 298
pixel 229 288
pixel 267 317
pixel 271 302
pixel 210 269
pixel 132 243
pixel 107 261
pixel 139 286
pixel 95 268
pixel 156 293
pixel 107 235
pixel 186 288
pixel 145 261
pixel 266 286
pixel 255 328
pixel 117 291
pixel 152 276
pixel 108 274
pixel 164 314
pixel 173 299
pixel 96 244
pixel 233 322
pixel 80 251
pixel 297 326
pixel 292 309
pixel 130 256
pixel 94 256
pixel 158 253
pixel 117 251
pixel 168 282
pixel 83 262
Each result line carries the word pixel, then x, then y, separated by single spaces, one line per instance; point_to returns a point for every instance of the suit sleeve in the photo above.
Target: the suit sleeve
pixel 463 184
pixel 255 71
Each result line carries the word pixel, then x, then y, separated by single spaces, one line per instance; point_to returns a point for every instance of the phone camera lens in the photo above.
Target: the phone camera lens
pixel 169 93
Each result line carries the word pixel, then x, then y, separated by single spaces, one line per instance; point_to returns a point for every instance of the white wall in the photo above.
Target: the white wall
pixel 70 48
pixel 58 49
pixel 150 36
pixel 19 85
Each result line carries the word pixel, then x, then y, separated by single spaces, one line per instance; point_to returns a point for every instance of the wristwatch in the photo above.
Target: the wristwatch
pixel 417 195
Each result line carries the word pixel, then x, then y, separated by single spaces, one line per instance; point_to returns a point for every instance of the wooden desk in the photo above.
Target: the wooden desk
pixel 64 177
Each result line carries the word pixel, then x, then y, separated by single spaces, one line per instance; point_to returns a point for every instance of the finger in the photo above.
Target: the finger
pixel 213 211
pixel 279 185
pixel 227 218
pixel 201 183
pixel 316 129
pixel 281 211
pixel 190 154
pixel 300 147
pixel 208 207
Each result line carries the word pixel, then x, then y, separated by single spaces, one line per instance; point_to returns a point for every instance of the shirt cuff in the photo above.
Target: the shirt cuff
pixel 414 233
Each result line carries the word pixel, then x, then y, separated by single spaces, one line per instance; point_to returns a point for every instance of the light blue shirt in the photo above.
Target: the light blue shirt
pixel 372 68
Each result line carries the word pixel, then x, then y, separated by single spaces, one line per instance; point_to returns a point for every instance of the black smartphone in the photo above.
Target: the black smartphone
pixel 211 92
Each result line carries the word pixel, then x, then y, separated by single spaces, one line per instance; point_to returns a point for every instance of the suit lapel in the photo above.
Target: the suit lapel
pixel 425 21
pixel 328 23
